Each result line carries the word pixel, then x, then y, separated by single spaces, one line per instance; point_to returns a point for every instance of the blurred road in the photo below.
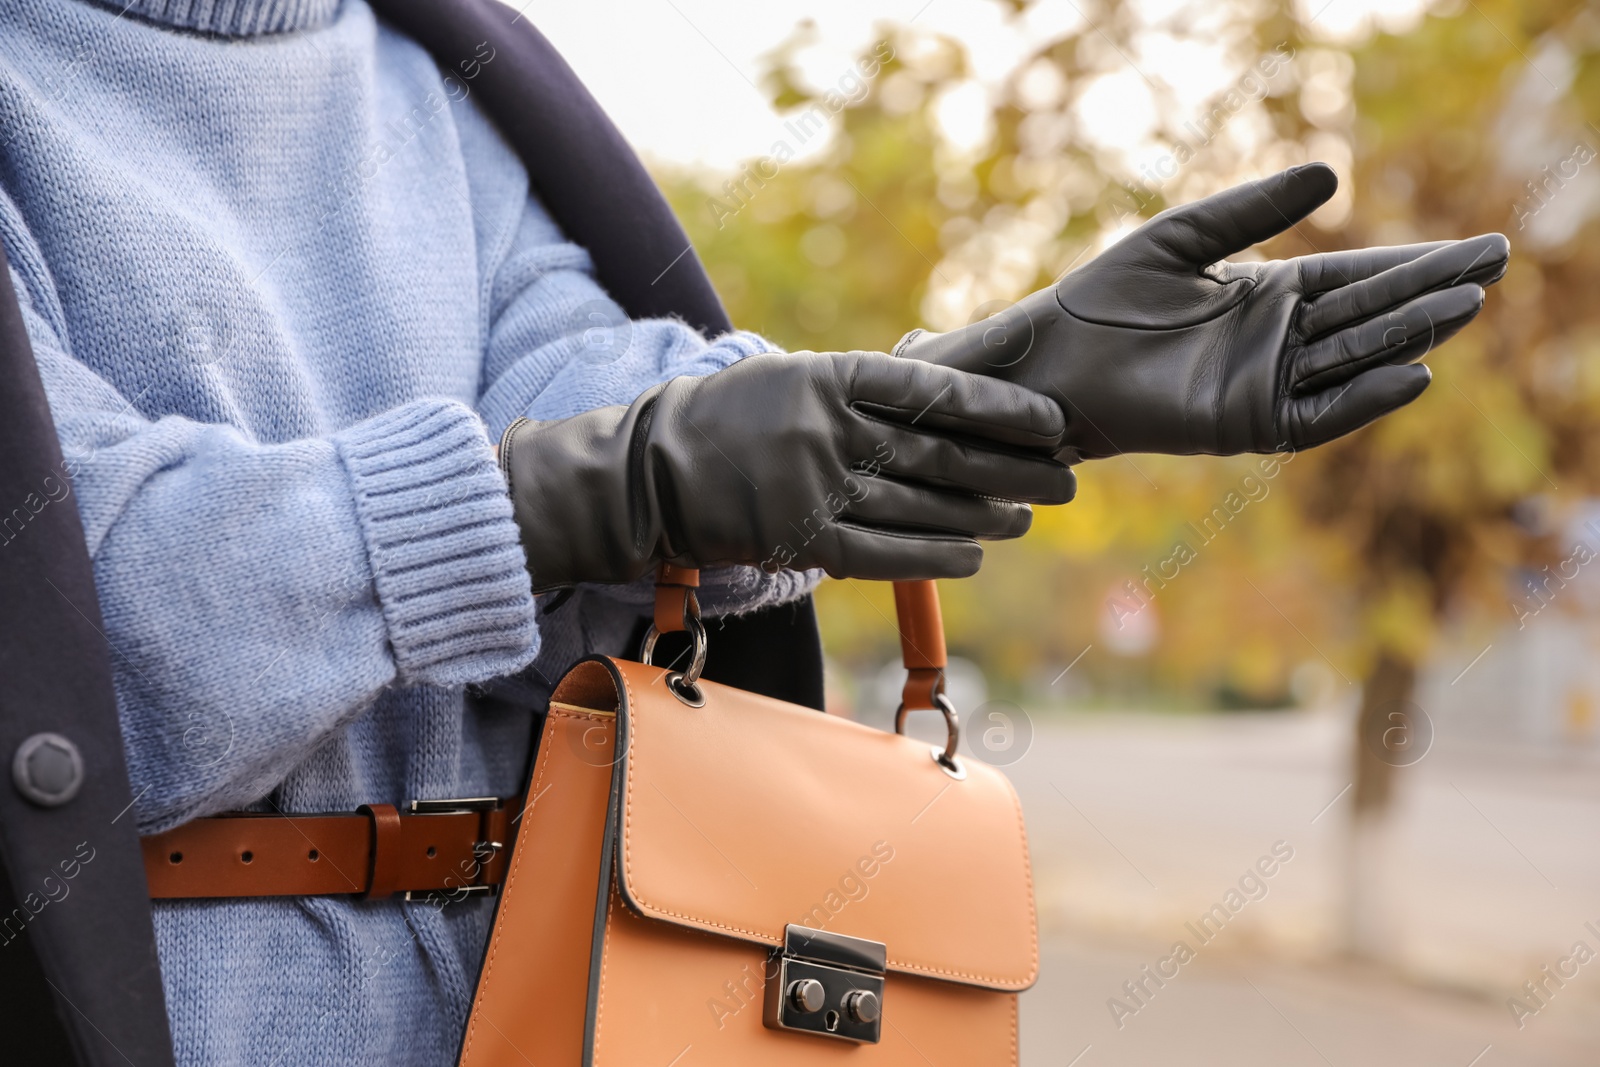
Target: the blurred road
pixel 1141 823
pixel 1245 1011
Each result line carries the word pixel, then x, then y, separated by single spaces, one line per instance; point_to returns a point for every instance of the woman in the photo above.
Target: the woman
pixel 285 284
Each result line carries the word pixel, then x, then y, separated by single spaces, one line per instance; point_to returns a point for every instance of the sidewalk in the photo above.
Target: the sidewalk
pixel 1244 1010
pixel 1140 824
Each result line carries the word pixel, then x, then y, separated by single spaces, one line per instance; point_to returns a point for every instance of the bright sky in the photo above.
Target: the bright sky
pixel 678 75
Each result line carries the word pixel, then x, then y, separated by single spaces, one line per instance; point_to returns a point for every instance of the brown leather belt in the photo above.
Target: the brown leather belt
pixel 432 849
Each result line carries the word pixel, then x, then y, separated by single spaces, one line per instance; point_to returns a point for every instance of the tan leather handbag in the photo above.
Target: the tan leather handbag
pixel 706 876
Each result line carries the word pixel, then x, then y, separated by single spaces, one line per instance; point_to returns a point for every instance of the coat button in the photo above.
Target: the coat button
pixel 47 769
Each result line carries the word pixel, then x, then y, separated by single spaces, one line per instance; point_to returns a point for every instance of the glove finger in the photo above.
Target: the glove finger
pixel 1315 420
pixel 883 555
pixel 948 462
pixel 931 397
pixel 1401 336
pixel 888 503
pixel 1480 260
pixel 1234 219
pixel 1329 270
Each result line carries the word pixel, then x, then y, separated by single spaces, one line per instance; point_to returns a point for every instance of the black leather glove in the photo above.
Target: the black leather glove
pixel 861 464
pixel 1160 345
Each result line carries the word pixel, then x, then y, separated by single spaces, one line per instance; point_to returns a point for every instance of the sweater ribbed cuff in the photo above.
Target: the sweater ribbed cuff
pixel 446 559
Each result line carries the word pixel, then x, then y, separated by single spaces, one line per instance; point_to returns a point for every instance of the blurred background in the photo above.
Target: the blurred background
pixel 1381 658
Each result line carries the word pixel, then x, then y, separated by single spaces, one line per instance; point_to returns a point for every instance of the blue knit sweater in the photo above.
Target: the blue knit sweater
pixel 282 279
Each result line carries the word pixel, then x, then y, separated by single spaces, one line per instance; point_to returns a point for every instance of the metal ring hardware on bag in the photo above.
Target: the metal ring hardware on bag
pixel 922 649
pixel 682 684
pixel 673 582
pixel 945 757
pixel 921 644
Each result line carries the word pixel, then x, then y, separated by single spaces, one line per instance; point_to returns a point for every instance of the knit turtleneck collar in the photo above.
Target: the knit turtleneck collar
pixel 232 18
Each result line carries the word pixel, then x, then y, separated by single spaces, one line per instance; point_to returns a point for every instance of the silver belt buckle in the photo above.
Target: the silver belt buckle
pixel 482 851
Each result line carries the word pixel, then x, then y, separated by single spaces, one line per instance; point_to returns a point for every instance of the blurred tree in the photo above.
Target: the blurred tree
pixel 1455 129
pixel 922 209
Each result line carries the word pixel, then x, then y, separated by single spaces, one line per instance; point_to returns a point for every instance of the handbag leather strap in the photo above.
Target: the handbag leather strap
pixel 916 605
pixel 675 588
pixel 444 849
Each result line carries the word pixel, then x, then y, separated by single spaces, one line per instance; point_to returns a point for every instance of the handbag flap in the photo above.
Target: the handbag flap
pixel 748 814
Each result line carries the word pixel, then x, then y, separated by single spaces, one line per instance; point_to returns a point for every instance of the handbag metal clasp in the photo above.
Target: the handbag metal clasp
pixel 826 984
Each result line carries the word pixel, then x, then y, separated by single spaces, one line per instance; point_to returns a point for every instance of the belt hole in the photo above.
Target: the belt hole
pixel 246 856
pixel 432 852
pixel 175 858
pixel 313 855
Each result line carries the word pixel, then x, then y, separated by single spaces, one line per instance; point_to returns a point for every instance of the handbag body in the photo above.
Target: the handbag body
pixel 703 875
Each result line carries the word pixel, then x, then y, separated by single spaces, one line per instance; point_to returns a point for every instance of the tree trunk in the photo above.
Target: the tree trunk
pixel 1385 709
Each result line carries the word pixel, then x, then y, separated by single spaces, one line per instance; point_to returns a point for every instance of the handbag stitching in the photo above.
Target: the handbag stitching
pixel 540 768
pixel 624 707
pixel 605 954
pixel 1014 1028
pixel 1027 877
pixel 627 866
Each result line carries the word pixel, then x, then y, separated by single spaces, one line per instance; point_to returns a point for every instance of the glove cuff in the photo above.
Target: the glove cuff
pixel 580 496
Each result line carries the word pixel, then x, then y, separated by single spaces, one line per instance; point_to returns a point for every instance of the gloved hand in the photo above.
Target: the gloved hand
pixel 1161 345
pixel 861 464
